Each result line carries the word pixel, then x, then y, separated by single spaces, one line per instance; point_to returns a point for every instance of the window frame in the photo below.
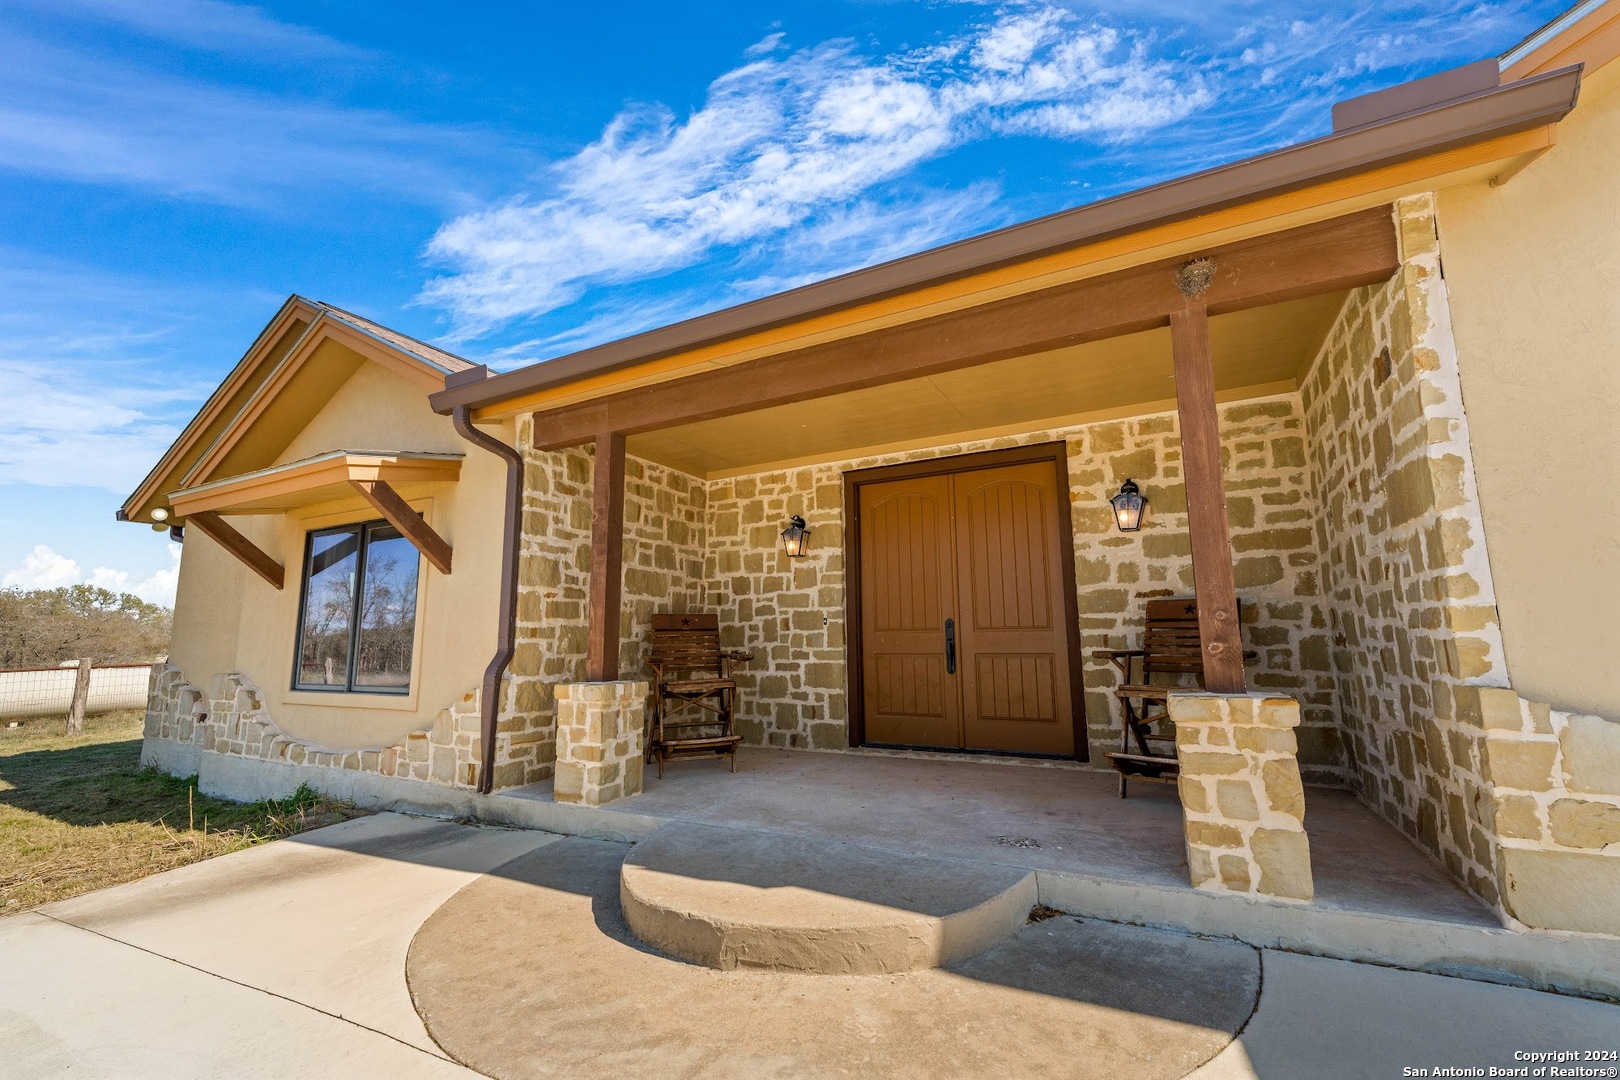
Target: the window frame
pixel 363 530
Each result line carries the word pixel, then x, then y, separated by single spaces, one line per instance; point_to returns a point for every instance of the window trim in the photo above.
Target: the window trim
pixel 349 689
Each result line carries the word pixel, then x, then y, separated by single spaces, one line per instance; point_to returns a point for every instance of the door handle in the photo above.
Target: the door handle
pixel 950 646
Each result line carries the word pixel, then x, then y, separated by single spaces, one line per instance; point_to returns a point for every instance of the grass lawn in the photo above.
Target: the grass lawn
pixel 80 813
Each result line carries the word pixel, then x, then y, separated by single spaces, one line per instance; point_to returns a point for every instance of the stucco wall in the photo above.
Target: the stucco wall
pixel 1534 277
pixel 230 620
pixel 1409 588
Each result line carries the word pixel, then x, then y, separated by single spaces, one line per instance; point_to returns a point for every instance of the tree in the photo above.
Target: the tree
pixel 44 627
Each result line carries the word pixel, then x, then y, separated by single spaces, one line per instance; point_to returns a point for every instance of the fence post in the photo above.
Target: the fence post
pixel 81 697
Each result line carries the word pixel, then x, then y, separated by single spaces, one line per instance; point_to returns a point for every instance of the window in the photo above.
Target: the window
pixel 357 616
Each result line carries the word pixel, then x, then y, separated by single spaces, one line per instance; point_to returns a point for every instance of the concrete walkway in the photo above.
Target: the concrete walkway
pixel 290 960
pixel 274 961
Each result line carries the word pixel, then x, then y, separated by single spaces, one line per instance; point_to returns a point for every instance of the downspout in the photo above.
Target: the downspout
pixel 506 631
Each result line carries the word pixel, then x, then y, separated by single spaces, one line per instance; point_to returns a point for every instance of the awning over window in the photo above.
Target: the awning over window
pixel 313 480
pixel 372 474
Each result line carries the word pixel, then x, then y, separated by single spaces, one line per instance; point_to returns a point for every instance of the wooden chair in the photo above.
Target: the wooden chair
pixel 694 694
pixel 1170 647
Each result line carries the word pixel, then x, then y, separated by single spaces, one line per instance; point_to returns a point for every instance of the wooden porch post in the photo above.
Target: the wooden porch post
pixel 607 559
pixel 1206 493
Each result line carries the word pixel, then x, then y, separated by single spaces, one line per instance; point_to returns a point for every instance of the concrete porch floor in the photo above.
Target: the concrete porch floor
pixel 1038 815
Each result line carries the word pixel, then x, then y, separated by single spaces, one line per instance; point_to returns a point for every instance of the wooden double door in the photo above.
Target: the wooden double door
pixel 967 623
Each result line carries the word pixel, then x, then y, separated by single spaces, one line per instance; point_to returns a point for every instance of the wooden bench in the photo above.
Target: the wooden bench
pixel 694 695
pixel 1170 647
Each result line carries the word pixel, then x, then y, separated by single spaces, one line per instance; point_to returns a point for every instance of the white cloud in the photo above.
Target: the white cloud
pixel 44 568
pixel 68 111
pixel 786 142
pixel 88 363
pixel 79 424
pixel 212 25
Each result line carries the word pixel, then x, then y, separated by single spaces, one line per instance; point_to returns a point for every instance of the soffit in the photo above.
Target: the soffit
pixel 259 439
pixel 1261 350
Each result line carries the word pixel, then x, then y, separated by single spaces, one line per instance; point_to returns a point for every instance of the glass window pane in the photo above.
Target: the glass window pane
pixel 387 611
pixel 323 643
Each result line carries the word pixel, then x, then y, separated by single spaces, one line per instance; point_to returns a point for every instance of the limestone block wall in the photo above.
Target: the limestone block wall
pixel 664 529
pixel 788 612
pixel 1242 802
pixel 1553 811
pixel 791 612
pixel 231 719
pixel 599 741
pixel 1408 588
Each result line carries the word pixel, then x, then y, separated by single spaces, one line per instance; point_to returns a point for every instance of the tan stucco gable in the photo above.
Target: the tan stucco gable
pixel 301 360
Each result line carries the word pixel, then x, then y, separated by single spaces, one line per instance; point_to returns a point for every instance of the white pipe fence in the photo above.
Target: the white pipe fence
pixel 35 692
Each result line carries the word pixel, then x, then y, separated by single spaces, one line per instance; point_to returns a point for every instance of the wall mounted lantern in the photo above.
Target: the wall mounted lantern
pixel 1128 505
pixel 796 538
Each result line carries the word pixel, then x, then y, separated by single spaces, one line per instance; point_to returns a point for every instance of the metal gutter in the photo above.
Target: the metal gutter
pixel 489 701
pixel 1492 113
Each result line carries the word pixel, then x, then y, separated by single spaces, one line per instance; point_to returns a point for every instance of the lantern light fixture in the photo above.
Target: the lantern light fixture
pixel 1128 506
pixel 796 538
pixel 160 514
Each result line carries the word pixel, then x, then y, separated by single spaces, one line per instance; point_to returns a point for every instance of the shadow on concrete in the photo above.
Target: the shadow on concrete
pixel 538 949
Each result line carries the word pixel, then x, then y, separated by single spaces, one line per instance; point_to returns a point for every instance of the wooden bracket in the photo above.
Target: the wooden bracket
pixel 250 554
pixel 411 525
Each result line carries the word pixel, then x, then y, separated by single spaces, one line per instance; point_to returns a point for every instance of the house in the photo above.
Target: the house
pixel 1366 384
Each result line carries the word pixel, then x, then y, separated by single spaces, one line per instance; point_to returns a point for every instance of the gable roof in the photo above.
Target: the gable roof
pixel 421 350
pixel 280 352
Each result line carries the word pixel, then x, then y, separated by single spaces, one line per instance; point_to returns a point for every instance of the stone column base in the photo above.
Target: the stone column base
pixel 600 730
pixel 1242 802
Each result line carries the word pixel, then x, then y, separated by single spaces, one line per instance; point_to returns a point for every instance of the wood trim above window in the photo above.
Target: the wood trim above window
pixel 313 479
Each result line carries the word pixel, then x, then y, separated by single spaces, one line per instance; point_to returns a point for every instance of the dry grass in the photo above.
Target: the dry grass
pixel 78 814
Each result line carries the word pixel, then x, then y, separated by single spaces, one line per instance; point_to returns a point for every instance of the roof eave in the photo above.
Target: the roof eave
pixel 147 488
pixel 1502 111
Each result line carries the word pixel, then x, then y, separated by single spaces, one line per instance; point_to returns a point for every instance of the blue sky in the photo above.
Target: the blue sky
pixel 517 183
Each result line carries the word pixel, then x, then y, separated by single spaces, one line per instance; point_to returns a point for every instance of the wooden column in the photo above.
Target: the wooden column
pixel 1206 497
pixel 607 559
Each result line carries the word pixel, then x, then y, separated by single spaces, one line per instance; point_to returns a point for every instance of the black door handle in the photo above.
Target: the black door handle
pixel 950 646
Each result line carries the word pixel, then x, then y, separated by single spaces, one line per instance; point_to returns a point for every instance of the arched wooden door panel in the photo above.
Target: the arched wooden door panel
pixel 965 633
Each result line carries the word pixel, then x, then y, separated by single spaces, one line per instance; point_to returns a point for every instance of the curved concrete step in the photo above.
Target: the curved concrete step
pixel 730 898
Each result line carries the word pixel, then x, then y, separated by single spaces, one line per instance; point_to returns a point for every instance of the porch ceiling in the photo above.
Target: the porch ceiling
pixel 1255 351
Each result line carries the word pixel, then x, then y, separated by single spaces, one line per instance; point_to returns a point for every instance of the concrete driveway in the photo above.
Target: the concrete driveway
pixel 289 960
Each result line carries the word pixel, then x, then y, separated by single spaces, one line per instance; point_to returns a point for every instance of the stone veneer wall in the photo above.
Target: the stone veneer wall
pixel 1242 803
pixel 791 612
pixel 600 729
pixel 663 571
pixel 232 719
pixel 1554 811
pixel 1404 565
